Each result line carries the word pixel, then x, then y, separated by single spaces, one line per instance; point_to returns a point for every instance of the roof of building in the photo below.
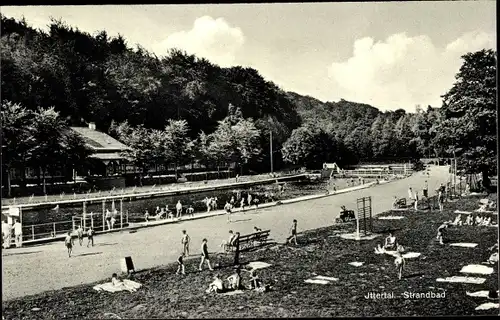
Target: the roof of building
pixel 108 156
pixel 99 141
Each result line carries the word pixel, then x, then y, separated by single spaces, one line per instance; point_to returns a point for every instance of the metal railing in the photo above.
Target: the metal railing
pixel 130 191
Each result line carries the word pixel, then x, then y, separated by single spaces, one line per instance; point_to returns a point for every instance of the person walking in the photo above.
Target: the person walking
pixel 204 256
pixel 90 236
pixel 18 234
pixel 185 243
pixel 79 232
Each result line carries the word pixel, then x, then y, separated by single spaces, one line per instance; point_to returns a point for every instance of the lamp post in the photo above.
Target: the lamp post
pixel 271 148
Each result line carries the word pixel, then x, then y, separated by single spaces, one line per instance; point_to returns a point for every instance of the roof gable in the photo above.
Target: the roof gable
pixel 99 141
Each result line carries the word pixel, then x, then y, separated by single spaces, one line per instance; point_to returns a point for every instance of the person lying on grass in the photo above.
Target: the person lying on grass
pixel 120 284
pixel 216 286
pixel 458 220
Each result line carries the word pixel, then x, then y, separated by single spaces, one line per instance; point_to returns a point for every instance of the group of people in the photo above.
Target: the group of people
pixel 413 195
pixel 185 241
pixel 69 240
pixel 235 282
pixel 165 212
pixel 7 234
pixel 478 220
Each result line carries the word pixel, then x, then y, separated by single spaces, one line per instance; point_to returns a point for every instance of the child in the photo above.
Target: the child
pixel 185 243
pixel 426 189
pixel 180 264
pixel 79 232
pixel 178 206
pixel 90 237
pixel 68 242
pixel 146 215
pixel 256 202
pixel 254 280
pixel 204 256
pixel 293 231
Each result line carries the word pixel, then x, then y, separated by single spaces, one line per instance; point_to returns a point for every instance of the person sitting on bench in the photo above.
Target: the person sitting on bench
pixel 395 203
pixel 257 229
pixel 216 286
pixel 235 280
pixel 390 242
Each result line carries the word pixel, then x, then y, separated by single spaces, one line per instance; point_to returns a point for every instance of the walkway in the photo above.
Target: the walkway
pixel 40 268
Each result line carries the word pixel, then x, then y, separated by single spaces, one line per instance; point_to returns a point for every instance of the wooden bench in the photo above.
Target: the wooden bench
pixel 253 240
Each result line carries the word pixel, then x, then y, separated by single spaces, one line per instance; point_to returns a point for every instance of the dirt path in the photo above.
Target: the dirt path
pixel 36 269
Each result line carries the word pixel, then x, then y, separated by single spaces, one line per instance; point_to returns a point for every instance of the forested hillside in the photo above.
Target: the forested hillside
pixel 182 102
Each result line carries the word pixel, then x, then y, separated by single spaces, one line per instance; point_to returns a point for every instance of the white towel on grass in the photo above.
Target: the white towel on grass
pixel 479 294
pixel 464 245
pixel 488 306
pixel 463 212
pixel 477 268
pixel 458 279
pixel 391 218
pixel 316 281
pixel 356 264
pixel 109 287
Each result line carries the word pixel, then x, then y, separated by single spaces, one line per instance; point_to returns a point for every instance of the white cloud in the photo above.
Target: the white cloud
pixel 403 71
pixel 210 38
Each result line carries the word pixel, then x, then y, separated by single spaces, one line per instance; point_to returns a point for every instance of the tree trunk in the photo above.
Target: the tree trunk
pixel 43 182
pixel 9 187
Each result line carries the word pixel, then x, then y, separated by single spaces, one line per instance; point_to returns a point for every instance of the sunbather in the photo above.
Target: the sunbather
pixel 216 286
pixel 468 220
pixel 390 242
pixel 441 232
pixel 120 284
pixel 457 220
pixel 235 280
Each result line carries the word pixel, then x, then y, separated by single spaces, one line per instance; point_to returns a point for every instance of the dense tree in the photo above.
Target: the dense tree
pixel 468 126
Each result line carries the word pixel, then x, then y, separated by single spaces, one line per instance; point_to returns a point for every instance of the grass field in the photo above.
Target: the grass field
pixel 320 252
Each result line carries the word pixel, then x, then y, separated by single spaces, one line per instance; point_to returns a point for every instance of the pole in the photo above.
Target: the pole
pixel 33 232
pixel 121 213
pixel 103 215
pixel 271 148
pixel 84 215
pixel 54 227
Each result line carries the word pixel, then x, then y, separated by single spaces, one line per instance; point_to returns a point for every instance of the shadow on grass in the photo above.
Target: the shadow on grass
pixel 106 244
pixel 88 254
pixel 20 253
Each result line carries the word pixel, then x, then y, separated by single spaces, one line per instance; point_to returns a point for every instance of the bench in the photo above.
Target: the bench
pixel 346 216
pixel 253 240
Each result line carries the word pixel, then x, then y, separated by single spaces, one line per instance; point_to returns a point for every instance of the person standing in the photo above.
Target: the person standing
pixel 185 243
pixel 190 211
pixel 68 242
pixel 293 231
pixel 79 232
pixel 90 236
pixel 204 256
pixel 249 199
pixel 227 207
pixel 441 200
pixel 425 190
pixel 18 234
pixel 108 219
pixel 236 245
pixel 416 200
pixel 178 207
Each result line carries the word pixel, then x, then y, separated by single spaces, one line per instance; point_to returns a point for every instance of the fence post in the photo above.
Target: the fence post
pixel 103 215
pixel 54 226
pixel 33 232
pixel 121 213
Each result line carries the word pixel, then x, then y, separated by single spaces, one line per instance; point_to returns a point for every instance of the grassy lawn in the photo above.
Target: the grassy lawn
pixel 320 252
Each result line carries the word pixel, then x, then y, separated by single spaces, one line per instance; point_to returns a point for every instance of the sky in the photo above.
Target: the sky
pixel 388 54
